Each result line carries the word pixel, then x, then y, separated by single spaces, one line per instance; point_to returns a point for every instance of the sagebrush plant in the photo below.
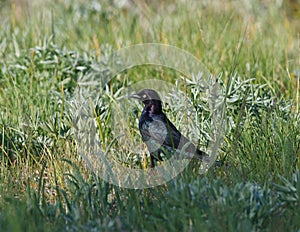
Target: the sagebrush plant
pixel 47 53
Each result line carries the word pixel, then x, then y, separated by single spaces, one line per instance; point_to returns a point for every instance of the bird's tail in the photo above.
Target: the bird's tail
pixel 191 152
pixel 201 155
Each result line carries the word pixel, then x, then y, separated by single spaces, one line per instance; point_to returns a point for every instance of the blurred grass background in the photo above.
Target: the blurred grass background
pixel 46 47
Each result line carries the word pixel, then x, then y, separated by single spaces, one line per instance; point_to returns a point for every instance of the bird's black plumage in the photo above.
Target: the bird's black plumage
pixel 159 134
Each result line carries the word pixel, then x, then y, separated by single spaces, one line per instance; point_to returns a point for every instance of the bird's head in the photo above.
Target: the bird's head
pixel 150 99
pixel 146 95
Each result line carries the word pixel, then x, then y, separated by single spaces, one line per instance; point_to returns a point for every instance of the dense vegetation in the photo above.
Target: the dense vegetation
pixel 48 47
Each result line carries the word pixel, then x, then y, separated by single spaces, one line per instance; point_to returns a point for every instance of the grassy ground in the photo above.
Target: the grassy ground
pixel 46 47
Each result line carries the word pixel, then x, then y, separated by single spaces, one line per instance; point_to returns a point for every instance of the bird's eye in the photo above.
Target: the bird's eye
pixel 144 96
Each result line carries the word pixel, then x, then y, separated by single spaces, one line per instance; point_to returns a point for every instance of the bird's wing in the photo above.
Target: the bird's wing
pixel 179 141
pixel 161 131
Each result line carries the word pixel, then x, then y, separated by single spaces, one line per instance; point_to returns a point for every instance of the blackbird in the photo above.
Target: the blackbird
pixel 159 134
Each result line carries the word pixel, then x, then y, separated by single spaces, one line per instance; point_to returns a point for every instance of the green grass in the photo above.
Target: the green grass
pixel 47 48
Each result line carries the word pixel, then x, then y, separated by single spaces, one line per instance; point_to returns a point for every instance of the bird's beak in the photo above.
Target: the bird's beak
pixel 136 96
